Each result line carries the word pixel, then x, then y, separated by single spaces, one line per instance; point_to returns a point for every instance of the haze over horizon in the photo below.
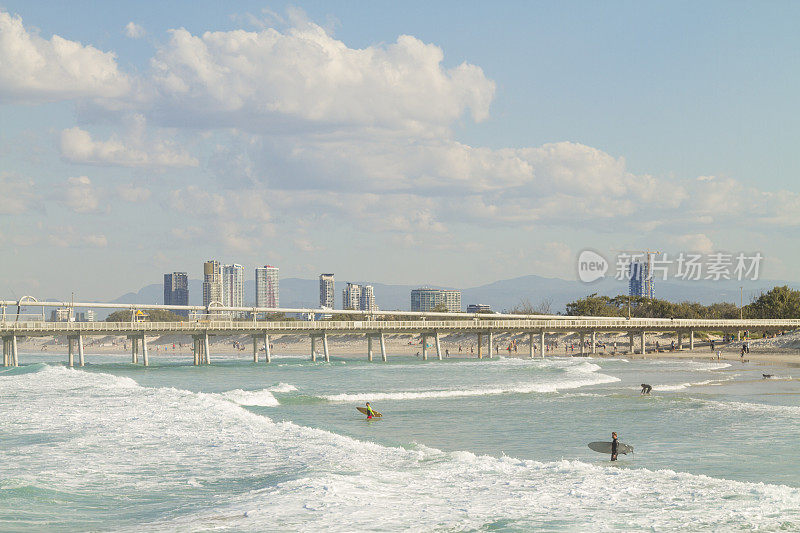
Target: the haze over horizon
pixel 441 144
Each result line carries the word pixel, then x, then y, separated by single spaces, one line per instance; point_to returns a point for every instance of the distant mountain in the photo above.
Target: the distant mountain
pixel 501 295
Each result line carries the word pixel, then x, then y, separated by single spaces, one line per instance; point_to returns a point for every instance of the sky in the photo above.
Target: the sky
pixel 443 143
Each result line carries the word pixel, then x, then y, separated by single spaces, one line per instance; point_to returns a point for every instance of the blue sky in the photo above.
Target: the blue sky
pixel 449 143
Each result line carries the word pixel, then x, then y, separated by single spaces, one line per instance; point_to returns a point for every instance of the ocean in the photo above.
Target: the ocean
pixel 464 445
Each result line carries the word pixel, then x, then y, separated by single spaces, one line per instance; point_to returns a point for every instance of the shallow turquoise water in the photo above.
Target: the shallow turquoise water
pixel 463 445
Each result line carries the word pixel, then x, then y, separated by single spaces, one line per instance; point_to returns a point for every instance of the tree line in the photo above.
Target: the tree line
pixel 778 302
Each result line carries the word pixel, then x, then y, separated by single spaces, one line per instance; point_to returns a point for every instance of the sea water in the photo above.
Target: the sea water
pixel 464 445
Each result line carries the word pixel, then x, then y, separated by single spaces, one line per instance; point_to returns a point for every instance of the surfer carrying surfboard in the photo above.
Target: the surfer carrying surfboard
pixel 614 445
pixel 370 412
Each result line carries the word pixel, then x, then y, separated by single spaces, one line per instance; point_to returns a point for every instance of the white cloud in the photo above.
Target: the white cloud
pixel 134 31
pixel 240 221
pixel 18 195
pixel 95 241
pixel 80 195
pixel 77 146
pixel 694 242
pixel 275 81
pixel 131 193
pixel 33 69
pixel 69 237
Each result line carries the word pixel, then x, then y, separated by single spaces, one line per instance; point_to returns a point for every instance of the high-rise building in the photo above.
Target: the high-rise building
pixel 85 316
pixel 425 299
pixel 62 314
pixel 640 282
pixel 368 299
pixel 326 294
pixel 176 290
pixel 233 285
pixel 267 286
pixel 212 282
pixel 351 296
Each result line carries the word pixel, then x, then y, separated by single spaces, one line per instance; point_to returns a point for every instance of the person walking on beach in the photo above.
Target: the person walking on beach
pixel 614 445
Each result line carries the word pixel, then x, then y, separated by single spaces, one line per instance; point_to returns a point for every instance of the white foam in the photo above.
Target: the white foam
pixel 262 398
pixel 689 366
pixel 142 444
pixel 672 387
pixel 283 387
pixel 519 388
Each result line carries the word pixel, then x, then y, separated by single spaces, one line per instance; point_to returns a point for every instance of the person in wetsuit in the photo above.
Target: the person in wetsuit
pixel 646 388
pixel 370 412
pixel 614 446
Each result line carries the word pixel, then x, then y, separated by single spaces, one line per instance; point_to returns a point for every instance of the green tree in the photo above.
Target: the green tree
pixel 593 305
pixel 154 315
pixel 779 302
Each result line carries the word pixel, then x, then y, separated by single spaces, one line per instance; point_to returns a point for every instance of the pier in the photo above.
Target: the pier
pixel 373 325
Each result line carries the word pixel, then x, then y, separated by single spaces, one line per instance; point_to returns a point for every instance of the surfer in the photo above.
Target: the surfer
pixel 614 445
pixel 646 388
pixel 370 412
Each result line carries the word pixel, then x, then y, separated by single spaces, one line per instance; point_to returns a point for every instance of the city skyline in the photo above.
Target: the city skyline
pixel 471 160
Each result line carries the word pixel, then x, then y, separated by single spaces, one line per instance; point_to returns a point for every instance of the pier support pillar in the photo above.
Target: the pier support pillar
pixel 196 350
pixel 582 341
pixel 70 355
pixel 480 338
pixel 424 347
pixel 145 358
pixel 369 347
pixel 206 349
pixel 14 353
pixel 490 343
pixel 313 348
pixel 644 343
pixel 541 342
pixel 255 348
pixel 438 345
pixel 630 339
pixel 383 348
pixel 680 340
pixel 5 351
pixel 594 342
pixel 691 340
pixel 325 347
pixel 531 347
pixel 267 349
pixel 80 350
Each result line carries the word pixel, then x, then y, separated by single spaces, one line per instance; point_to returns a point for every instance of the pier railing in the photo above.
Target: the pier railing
pixel 39 328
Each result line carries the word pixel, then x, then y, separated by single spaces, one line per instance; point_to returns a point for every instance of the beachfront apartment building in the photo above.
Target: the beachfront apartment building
pixel 351 296
pixel 479 308
pixel 426 299
pixel 368 298
pixel 233 286
pixel 176 290
pixel 359 297
pixel 212 282
pixel 326 288
pixel 267 294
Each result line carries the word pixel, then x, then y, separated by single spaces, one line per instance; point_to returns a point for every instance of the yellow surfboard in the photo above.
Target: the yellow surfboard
pixel 364 410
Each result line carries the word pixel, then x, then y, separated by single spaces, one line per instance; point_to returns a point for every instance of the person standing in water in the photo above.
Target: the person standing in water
pixel 371 413
pixel 614 445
